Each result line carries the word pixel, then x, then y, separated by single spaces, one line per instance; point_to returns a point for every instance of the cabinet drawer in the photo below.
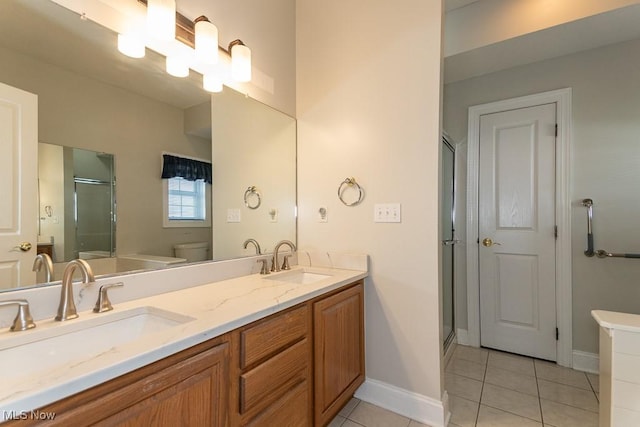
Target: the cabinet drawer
pixel 293 409
pixel 271 335
pixel 266 383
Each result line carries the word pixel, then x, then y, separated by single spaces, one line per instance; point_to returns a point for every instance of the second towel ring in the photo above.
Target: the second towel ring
pixel 350 182
pixel 252 191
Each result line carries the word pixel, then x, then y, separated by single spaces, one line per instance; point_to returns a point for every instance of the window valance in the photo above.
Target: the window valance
pixel 189 169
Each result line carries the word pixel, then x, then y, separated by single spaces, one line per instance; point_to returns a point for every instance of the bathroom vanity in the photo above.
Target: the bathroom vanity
pixel 619 373
pixel 279 349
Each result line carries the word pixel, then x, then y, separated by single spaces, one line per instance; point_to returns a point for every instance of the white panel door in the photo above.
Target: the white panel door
pixel 517 231
pixel 18 185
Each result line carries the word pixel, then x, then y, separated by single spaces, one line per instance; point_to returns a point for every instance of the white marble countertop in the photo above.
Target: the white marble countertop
pixel 614 320
pixel 217 308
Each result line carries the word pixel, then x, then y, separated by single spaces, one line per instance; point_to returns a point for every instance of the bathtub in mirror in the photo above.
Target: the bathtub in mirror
pixel 91 97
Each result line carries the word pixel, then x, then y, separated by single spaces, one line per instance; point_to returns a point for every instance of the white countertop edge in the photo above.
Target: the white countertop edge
pixel 615 320
pixel 36 393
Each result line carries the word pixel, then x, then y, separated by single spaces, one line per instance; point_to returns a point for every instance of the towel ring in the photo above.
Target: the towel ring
pixel 252 191
pixel 350 182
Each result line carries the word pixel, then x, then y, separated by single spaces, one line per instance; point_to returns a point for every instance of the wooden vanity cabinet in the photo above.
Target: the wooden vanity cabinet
pixel 338 323
pixel 187 389
pixel 295 368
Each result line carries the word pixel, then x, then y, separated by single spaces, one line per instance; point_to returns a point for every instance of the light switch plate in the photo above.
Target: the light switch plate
pixel 273 215
pixel 387 212
pixel 322 214
pixel 233 215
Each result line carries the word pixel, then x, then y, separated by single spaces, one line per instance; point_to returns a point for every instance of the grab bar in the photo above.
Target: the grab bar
pixel 604 254
pixel 589 205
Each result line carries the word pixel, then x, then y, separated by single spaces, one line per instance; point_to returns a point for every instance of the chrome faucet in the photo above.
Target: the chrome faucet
pixel 44 260
pixel 67 308
pixel 285 263
pixel 255 243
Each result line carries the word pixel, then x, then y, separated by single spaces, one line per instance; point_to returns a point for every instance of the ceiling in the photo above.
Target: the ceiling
pixel 595 31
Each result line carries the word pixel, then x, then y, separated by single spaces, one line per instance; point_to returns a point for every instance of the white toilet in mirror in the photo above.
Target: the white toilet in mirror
pixel 192 252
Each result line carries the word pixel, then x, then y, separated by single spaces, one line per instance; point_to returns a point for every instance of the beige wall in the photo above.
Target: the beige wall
pixel 605 166
pixel 81 112
pixel 368 100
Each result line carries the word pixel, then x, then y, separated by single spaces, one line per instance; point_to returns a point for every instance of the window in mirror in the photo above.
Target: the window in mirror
pixel 186 200
pixel 186 203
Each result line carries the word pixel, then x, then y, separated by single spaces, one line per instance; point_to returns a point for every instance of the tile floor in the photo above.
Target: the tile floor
pixel 362 414
pixel 490 388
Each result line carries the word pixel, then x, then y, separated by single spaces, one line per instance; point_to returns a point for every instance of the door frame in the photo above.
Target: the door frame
pixel 562 98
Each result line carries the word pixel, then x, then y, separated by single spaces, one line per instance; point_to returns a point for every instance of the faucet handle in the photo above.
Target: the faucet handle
pixel 265 266
pixel 23 320
pixel 103 304
pixel 285 263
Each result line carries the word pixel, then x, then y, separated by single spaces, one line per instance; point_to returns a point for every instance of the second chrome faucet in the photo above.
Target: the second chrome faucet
pixel 67 307
pixel 285 263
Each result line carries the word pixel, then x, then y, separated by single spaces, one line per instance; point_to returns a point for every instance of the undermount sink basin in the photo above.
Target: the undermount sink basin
pixel 31 352
pixel 300 277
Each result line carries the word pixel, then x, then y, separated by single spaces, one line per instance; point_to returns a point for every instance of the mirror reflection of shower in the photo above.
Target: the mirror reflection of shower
pixel 77 202
pixel 93 216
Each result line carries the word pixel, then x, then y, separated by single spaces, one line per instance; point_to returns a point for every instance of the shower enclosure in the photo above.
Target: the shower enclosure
pixel 94 202
pixel 448 240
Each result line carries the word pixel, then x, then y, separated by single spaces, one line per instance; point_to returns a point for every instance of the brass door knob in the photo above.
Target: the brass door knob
pixel 25 246
pixel 488 242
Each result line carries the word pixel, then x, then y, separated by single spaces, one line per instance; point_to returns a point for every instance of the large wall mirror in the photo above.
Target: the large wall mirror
pixel 104 123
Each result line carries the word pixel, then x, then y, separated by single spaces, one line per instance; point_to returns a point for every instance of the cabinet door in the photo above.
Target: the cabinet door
pixel 339 350
pixel 197 399
pixel 187 389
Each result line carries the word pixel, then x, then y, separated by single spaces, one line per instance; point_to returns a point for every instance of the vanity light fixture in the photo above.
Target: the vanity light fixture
pixel 211 82
pixel 161 19
pixel 177 67
pixel 190 44
pixel 240 61
pixel 131 46
pixel 206 40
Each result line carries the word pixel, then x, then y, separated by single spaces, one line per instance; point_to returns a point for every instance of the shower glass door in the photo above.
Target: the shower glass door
pixel 94 217
pixel 448 241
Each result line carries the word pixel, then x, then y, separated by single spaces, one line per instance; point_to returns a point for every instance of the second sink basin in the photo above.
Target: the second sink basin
pixel 32 352
pixel 299 276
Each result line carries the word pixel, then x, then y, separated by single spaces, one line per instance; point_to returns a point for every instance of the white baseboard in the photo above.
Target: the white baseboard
pixel 587 362
pixel 462 336
pixel 407 403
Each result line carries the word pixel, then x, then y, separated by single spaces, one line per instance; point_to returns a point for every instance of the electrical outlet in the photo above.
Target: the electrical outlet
pixel 387 212
pixel 233 215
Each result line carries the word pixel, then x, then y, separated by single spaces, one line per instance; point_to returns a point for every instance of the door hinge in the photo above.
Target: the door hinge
pixel 555 232
pixel 556 129
pixel 557 334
